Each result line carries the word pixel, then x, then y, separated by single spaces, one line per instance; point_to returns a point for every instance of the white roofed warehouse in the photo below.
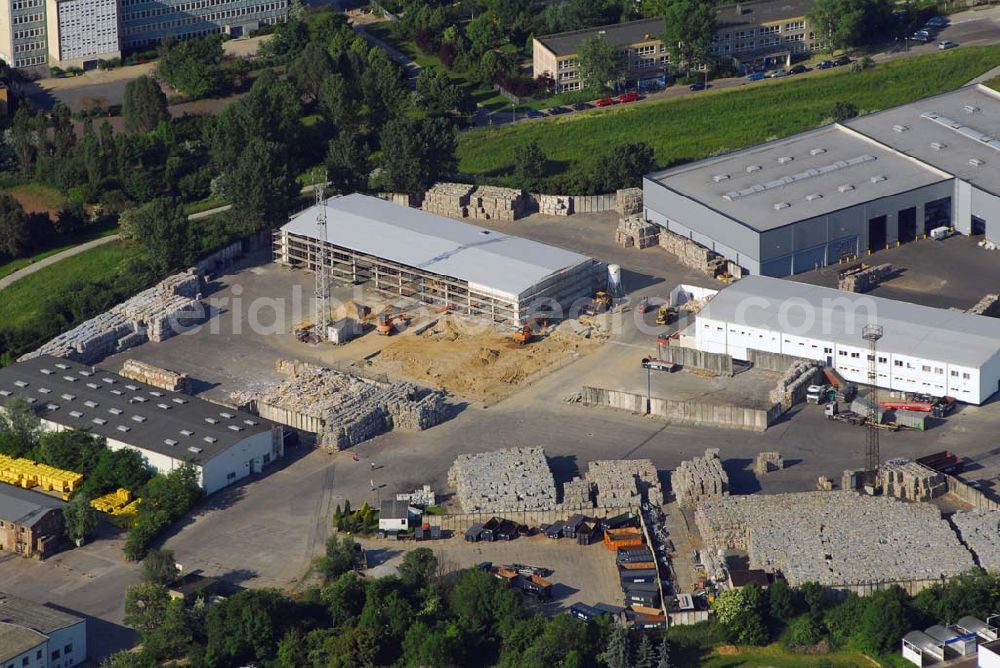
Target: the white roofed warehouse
pixel 842 190
pixel 925 350
pixel 404 252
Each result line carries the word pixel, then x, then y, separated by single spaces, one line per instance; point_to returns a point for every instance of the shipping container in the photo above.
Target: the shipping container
pixel 911 419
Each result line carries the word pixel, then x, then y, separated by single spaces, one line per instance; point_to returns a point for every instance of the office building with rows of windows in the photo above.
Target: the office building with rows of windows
pixel 146 22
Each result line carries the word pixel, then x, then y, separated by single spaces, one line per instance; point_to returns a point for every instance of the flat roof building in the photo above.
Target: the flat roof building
pixel 82 32
pixel 840 191
pixel 37 636
pixel 406 252
pixel 224 444
pixel 765 33
pixel 927 350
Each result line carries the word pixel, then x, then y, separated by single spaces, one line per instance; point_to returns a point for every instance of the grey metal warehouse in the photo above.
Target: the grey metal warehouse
pixel 400 251
pixel 840 191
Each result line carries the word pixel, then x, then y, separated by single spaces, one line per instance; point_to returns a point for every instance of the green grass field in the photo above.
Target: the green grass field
pixel 9 268
pixel 775 657
pixel 36 197
pixel 694 127
pixel 22 301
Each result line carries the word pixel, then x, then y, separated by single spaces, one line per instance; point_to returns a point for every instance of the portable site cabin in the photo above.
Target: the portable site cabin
pixel 920 649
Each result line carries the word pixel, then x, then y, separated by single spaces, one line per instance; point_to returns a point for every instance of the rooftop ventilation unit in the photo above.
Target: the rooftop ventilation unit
pixel 47 372
pixel 963 130
pixel 719 178
pixel 69 397
pixel 123 428
pixel 878 178
pixel 817 151
pixel 195 449
pixel 93 386
pixel 186 432
pixel 69 379
pixel 5 393
pixel 155 393
pixel 813 197
pixel 134 388
pixel 846 188
pixel 115 411
pixel 734 195
pixel 778 206
pixel 139 400
pixel 250 423
pixel 60 365
pixel 976 162
pixel 210 420
pixel 178 400
pixel 228 416
pixel 138 418
pixel 99 421
pixel 44 390
pixel 900 128
pixel 52 407
pixel 971 108
pixel 235 427
pixel 165 407
pixel 109 380
pixel 20 383
pixel 753 168
pixel 210 439
pixel 76 414
pixel 117 392
pixel 90 404
pixel 169 441
pixel 785 159
pixel 84 372
pixel 937 146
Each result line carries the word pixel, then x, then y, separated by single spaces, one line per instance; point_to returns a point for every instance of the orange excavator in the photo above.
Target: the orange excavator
pixel 526 334
pixel 384 322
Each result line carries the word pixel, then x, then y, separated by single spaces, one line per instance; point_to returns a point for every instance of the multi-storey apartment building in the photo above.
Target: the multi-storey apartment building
pixel 765 33
pixel 82 32
pixel 146 22
pixel 23 33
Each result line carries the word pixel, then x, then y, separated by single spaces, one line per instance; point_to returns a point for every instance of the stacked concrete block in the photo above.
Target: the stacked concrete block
pixel 494 203
pixel 155 376
pixel 700 478
pixel 424 497
pixel 578 493
pixel 863 280
pixel 852 479
pixel 517 479
pixel 155 314
pixel 628 202
pixel 793 384
pixel 824 484
pixel 554 205
pixel 989 306
pixel 636 232
pixel 835 538
pixel 767 462
pixel 910 481
pixel 348 408
pixel 980 530
pixel 622 483
pixel 692 254
pixel 448 199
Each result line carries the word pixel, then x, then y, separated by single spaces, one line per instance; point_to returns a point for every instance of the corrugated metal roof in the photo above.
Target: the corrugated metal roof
pixel 25 507
pixel 170 423
pixel 16 640
pixel 41 618
pixel 832 315
pixel 493 260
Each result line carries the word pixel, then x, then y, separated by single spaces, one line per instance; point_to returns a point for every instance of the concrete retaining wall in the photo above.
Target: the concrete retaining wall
pixel 284 416
pixel 593 203
pixel 761 359
pixel 459 522
pixel 970 494
pixel 719 363
pixel 689 412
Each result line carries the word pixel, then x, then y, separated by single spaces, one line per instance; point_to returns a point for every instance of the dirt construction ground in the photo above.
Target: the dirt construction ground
pixel 476 362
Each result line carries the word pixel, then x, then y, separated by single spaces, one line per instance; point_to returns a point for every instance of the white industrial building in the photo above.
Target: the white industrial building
pixel 926 350
pixel 404 252
pixel 225 445
pixel 842 190
pixel 36 636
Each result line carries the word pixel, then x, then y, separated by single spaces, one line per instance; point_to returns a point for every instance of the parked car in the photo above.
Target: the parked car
pixel 922 36
pixel 798 69
pixel 630 96
pixel 555 111
pixel 938 21
pixel 777 74
pixel 756 76
pixel 533 113
pixel 843 60
pixel 605 102
pixel 824 65
pixel 947 44
pixel 581 106
pixel 701 85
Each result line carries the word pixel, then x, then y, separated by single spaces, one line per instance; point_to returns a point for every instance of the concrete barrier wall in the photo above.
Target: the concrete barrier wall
pixel 286 417
pixel 689 412
pixel 762 359
pixel 970 495
pixel 719 363
pixel 459 522
pixel 911 587
pixel 593 203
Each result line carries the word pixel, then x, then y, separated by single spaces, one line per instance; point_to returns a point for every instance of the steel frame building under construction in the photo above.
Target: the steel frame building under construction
pixel 409 253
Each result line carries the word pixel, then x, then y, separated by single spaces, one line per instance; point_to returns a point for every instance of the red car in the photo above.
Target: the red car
pixel 628 97
pixel 606 102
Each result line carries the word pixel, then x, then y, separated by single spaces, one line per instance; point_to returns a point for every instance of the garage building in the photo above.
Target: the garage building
pixel 838 192
pixel 404 252
pixel 927 350
pixel 225 445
